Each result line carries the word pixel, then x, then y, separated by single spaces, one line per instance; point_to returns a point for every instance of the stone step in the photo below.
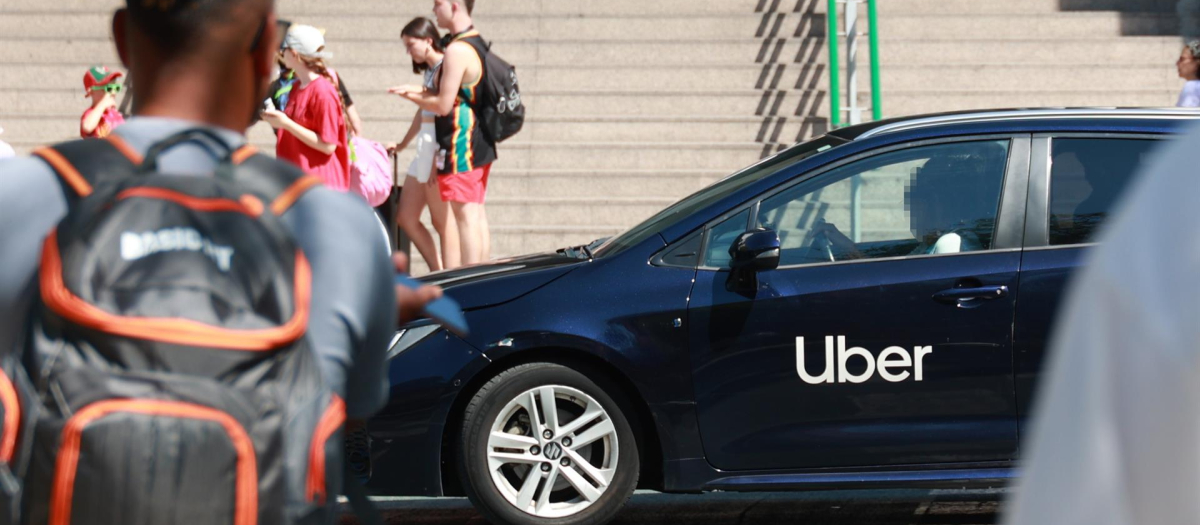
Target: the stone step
pixel 608 183
pixel 921 102
pixel 586 211
pixel 564 129
pixel 1012 77
pixel 746 51
pixel 345 27
pixel 68 103
pixel 910 7
pixel 312 8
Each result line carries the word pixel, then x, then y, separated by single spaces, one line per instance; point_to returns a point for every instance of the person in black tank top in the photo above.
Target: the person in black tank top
pixel 465 155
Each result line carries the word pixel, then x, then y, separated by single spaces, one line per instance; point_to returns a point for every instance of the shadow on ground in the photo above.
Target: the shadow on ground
pixel 890 508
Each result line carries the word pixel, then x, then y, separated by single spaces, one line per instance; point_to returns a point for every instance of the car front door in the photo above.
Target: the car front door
pixel 1074 181
pixel 884 336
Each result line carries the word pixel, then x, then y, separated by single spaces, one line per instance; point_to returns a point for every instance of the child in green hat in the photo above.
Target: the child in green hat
pixel 99 120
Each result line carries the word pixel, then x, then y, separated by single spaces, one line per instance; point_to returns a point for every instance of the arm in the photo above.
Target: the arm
pixel 408 137
pixel 454 68
pixel 92 120
pixel 839 240
pixel 31 203
pixel 353 121
pixel 279 120
pixel 353 309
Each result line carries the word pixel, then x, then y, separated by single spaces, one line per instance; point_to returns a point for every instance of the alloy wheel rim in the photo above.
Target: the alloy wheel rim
pixel 552 451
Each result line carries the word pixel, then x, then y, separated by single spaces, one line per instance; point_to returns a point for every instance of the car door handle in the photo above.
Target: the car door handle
pixel 955 295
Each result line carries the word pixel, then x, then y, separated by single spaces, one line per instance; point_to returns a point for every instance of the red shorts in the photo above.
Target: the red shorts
pixel 468 186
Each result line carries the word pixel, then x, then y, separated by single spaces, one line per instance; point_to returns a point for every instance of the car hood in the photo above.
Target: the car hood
pixel 502 281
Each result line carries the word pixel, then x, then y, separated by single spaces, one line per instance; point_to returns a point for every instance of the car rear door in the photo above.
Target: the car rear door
pixel 888 352
pixel 1074 181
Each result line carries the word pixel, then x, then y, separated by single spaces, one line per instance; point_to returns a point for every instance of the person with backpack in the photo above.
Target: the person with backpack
pixel 311 131
pixel 424 45
pixel 466 153
pixel 200 319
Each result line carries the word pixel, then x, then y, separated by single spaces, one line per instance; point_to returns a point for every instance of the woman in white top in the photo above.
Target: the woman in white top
pixel 424 45
pixel 1189 70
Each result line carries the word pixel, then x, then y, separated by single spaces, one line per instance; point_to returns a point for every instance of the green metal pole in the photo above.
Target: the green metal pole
pixel 835 92
pixel 876 95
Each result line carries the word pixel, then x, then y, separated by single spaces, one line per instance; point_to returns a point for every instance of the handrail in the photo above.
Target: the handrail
pixel 835 88
pixel 835 81
pixel 876 91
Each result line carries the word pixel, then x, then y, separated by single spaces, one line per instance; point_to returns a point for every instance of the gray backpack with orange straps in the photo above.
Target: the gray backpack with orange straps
pixel 165 375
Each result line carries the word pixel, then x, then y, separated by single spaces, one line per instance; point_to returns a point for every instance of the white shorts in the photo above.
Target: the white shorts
pixel 427 147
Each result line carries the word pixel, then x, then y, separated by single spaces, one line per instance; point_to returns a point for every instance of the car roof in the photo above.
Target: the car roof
pixel 1032 116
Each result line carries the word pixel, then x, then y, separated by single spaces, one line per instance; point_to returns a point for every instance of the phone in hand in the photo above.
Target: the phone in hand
pixel 268 105
pixel 444 310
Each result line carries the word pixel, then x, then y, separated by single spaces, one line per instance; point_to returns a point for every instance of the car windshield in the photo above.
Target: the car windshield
pixel 714 193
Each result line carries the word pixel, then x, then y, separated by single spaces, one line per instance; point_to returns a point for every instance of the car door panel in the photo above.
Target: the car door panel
pixel 915 377
pixel 1074 181
pixel 756 412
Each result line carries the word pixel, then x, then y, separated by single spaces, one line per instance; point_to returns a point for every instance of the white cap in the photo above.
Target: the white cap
pixel 307 41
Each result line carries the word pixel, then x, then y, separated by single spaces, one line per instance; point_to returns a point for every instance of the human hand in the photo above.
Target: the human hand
pixel 409 302
pixel 405 90
pixel 274 117
pixel 108 101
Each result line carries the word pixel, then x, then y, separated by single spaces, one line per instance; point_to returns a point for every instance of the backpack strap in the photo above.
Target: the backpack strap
pixel 278 183
pixel 82 164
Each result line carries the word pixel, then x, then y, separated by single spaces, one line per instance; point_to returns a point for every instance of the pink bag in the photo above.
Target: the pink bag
pixel 370 171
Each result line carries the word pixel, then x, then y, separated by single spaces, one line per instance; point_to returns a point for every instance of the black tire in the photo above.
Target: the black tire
pixel 484 409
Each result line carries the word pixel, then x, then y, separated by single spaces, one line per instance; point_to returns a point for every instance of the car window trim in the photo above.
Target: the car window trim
pixel 753 209
pixel 800 179
pixel 1037 219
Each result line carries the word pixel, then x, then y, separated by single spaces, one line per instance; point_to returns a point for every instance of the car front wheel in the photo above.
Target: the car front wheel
pixel 543 444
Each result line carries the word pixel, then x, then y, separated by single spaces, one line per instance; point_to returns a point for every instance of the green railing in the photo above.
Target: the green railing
pixel 835 80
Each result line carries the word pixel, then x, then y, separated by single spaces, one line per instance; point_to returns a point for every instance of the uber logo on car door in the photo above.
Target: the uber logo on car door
pixel 892 364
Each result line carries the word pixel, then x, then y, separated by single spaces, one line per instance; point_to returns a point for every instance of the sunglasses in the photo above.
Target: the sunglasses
pixel 113 89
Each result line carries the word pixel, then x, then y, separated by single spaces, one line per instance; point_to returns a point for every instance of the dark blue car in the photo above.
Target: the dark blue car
pixel 867 309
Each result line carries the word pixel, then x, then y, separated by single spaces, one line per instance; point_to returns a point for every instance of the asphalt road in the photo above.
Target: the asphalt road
pixel 900 507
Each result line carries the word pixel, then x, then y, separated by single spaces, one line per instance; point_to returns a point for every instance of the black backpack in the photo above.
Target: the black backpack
pixel 166 376
pixel 498 101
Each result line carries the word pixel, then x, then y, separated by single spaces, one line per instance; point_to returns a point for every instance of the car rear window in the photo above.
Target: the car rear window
pixel 1087 176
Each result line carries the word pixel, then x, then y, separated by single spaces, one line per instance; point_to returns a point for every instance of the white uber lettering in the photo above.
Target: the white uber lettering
pixel 922 351
pixel 893 364
pixel 827 375
pixel 844 356
pixel 885 362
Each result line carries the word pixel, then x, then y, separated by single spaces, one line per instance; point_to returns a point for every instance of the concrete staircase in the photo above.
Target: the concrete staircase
pixel 634 104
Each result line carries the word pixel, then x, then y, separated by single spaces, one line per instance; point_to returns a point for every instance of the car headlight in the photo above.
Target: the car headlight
pixel 408 337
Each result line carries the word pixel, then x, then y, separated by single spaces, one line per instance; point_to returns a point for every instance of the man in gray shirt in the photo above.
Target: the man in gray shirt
pixel 207 63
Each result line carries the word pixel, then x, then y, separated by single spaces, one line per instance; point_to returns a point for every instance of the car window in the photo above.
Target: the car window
pixel 1087 175
pixel 927 200
pixel 719 190
pixel 720 238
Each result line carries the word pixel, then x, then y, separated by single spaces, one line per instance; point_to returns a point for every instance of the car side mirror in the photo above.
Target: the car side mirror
pixel 755 251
